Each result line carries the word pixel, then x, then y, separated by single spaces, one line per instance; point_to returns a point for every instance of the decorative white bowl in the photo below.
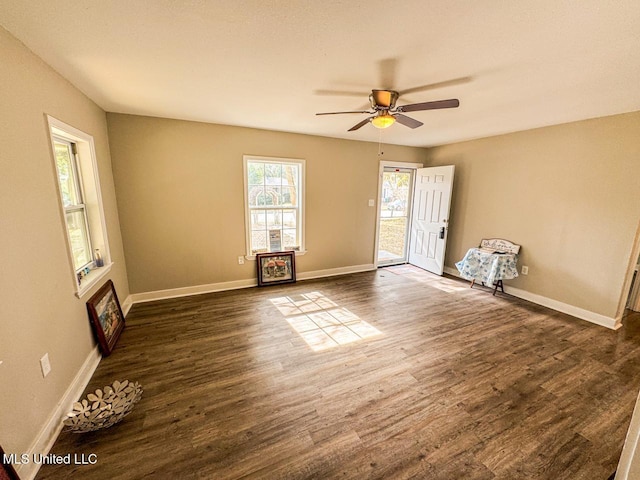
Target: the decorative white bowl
pixel 104 408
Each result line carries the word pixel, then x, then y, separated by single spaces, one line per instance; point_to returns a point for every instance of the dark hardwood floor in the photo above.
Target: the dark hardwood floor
pixel 447 382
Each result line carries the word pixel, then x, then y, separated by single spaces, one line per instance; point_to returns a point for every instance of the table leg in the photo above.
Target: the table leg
pixel 472 282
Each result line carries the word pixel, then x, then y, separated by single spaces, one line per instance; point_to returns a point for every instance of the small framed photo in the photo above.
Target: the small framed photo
pixel 276 267
pixel 106 317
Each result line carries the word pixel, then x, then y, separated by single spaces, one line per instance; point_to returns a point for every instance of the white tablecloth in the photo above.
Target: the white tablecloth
pixel 488 267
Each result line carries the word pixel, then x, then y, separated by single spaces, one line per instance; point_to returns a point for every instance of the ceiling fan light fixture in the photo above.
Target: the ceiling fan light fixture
pixel 385 113
pixel 383 121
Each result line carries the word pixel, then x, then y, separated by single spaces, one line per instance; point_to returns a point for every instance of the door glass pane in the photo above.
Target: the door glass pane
pixel 394 216
pixel 392 236
pixel 78 236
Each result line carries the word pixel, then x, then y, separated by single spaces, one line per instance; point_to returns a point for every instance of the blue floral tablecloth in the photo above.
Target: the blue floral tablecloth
pixel 488 267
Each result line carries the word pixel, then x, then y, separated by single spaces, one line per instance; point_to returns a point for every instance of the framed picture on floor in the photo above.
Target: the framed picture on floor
pixel 276 267
pixel 107 319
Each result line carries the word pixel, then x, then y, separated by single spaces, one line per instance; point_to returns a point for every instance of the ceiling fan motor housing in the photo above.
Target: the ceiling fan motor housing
pixel 383 99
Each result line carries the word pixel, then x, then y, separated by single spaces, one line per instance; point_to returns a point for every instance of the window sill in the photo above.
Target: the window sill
pixel 91 279
pixel 298 254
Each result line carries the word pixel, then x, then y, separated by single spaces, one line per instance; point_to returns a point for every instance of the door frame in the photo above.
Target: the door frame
pixel 626 285
pixel 383 164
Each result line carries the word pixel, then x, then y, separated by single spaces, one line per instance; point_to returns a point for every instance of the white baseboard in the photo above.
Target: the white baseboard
pixel 332 272
pixel 630 450
pixel 187 291
pixel 49 433
pixel 572 310
pixel 234 285
pixel 126 305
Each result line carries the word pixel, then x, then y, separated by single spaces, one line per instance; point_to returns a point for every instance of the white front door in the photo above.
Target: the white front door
pixel 430 218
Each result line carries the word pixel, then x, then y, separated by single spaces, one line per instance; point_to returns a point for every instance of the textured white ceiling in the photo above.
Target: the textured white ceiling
pixel 514 65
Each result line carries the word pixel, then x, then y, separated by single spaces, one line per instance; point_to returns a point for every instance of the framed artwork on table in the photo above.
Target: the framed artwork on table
pixel 107 319
pixel 276 268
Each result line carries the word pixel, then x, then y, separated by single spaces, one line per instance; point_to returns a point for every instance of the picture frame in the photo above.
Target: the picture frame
pixel 107 319
pixel 275 268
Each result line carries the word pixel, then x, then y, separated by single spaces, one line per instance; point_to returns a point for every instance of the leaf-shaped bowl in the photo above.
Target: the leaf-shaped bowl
pixel 103 408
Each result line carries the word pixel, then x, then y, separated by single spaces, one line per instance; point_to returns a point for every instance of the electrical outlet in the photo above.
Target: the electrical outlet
pixel 45 365
pixel 525 270
pixel 240 260
pixel 372 202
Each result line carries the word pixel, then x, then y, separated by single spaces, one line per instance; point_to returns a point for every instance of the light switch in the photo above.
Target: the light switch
pixel 45 365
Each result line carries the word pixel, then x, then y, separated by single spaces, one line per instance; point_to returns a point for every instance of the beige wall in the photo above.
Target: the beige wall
pixel 181 200
pixel 39 312
pixel 569 194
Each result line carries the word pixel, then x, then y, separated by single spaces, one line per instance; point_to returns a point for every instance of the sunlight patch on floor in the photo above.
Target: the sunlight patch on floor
pixel 449 286
pixel 420 275
pixel 321 322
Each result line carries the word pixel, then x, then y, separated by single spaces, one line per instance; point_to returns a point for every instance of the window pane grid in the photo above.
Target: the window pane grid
pixel 67 173
pixel 271 207
pixel 75 208
pixel 273 191
pixel 79 238
pixel 72 202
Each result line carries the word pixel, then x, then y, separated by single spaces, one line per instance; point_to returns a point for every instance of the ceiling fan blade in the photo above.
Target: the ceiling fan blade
pixel 360 124
pixel 341 93
pixel 432 86
pixel 407 121
pixel 414 107
pixel 340 113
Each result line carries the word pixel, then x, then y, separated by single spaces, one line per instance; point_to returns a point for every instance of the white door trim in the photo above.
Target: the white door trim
pixel 386 163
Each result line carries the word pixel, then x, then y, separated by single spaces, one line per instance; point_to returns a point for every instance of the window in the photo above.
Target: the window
pixel 274 198
pixel 81 203
pixel 72 202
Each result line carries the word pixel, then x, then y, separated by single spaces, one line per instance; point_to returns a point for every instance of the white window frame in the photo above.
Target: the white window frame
pixel 301 203
pixel 86 167
pixel 79 206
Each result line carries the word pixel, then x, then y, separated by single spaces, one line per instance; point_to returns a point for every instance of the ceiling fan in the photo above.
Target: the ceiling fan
pixel 385 113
